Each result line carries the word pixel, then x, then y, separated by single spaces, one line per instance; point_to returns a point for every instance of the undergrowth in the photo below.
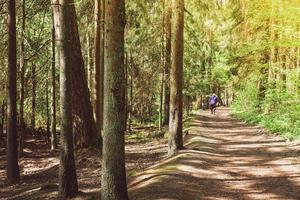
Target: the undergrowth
pixel 278 113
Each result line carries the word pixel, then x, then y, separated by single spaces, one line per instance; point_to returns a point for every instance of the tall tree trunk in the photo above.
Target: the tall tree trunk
pixel 33 102
pixel 53 93
pixel 114 185
pixel 92 81
pixel 163 81
pixel 83 120
pixel 130 92
pixel 176 79
pixel 101 86
pixel 89 64
pixel 84 123
pixel 161 100
pixel 63 12
pixel 47 109
pixel 2 120
pixel 126 90
pixel 22 80
pixel 99 66
pixel 167 63
pixel 13 173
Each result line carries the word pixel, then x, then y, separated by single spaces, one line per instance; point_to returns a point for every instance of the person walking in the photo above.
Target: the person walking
pixel 213 100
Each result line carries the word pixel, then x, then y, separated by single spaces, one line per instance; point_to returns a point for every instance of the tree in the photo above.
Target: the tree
pixel 33 101
pixel 83 119
pixel 13 173
pixel 22 77
pixel 62 13
pixel 176 78
pixel 167 64
pixel 53 93
pixel 114 185
pixel 99 65
pixel 2 111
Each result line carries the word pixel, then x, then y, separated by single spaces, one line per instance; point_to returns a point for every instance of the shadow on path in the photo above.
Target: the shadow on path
pixel 225 159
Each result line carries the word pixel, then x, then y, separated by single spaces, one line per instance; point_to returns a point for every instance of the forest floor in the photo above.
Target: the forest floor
pixel 224 159
pixel 39 167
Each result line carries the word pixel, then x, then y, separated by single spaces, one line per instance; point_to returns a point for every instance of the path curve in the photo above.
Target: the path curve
pixel 225 159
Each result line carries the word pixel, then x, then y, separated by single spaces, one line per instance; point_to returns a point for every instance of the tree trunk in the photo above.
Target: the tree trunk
pixel 167 64
pixel 163 81
pixel 101 87
pixel 126 90
pixel 53 93
pixel 92 73
pixel 63 12
pixel 13 173
pixel 22 81
pixel 99 66
pixel 161 98
pixel 130 93
pixel 84 125
pixel 114 185
pixel 47 109
pixel 176 79
pixel 2 120
pixel 33 102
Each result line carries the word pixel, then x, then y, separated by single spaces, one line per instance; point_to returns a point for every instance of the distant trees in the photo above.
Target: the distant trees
pixel 265 64
pixel 13 173
pixel 176 78
pixel 114 185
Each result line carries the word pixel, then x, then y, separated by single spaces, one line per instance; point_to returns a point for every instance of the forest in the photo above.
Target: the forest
pixel 112 99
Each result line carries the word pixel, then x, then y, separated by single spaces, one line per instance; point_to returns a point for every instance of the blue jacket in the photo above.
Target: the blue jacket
pixel 213 100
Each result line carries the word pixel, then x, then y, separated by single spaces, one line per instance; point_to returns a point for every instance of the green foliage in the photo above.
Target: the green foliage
pixel 280 115
pixel 265 52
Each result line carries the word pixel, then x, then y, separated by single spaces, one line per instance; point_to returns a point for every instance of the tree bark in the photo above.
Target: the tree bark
pixel 2 120
pixel 84 125
pixel 167 64
pixel 13 173
pixel 33 102
pixel 63 12
pixel 2 111
pixel 22 80
pixel 53 93
pixel 47 109
pixel 130 101
pixel 176 79
pixel 126 91
pixel 114 186
pixel 99 66
pixel 163 81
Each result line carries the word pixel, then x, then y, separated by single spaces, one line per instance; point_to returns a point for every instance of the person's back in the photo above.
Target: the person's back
pixel 213 100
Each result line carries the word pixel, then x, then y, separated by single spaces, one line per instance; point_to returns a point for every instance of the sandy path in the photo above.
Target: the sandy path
pixel 225 159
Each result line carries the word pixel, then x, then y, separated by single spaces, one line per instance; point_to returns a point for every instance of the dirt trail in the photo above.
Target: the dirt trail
pixel 225 159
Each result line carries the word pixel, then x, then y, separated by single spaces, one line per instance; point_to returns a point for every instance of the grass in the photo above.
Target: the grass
pixel 278 123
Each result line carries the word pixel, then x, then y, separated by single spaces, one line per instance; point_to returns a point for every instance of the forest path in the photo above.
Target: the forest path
pixel 224 159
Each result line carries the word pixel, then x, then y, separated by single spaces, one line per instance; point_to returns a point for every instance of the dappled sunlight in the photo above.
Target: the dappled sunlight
pixel 235 161
pixel 38 165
